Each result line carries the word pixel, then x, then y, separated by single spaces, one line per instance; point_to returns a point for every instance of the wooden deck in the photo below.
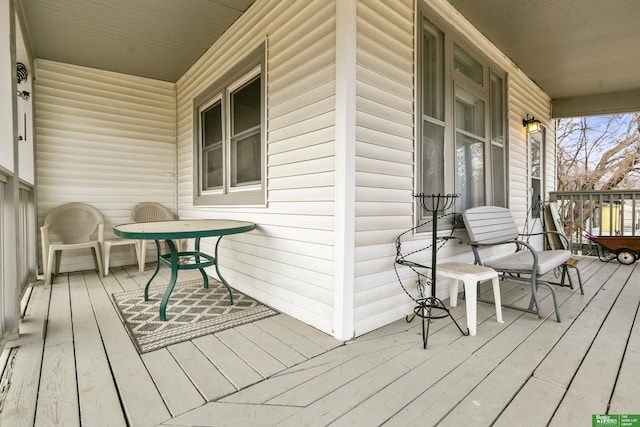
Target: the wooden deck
pixel 279 371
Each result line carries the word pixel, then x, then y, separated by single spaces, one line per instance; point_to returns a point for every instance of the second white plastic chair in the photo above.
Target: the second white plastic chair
pixel 146 212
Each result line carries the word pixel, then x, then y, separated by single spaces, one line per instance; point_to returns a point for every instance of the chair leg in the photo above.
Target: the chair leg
pixel 577 274
pixel 97 256
pixel 107 253
pixel 141 254
pixel 534 297
pixel 58 257
pixel 48 272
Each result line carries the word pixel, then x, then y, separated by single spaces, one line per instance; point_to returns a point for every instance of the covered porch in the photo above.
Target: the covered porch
pixel 278 371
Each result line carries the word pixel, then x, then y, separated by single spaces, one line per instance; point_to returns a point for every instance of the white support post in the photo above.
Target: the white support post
pixel 345 161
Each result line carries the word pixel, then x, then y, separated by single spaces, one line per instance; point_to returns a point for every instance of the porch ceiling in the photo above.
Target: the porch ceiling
pixel 583 53
pixel 159 39
pixel 573 49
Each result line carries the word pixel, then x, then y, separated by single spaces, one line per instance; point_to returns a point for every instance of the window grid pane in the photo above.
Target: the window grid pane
pixel 432 158
pixel 245 160
pixel 245 107
pixel 433 71
pixel 498 176
pixel 466 64
pixel 469 171
pixel 470 112
pixel 212 125
pixel 213 167
pixel 212 151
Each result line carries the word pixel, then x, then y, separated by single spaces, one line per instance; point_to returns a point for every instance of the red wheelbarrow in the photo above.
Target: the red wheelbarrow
pixel 626 249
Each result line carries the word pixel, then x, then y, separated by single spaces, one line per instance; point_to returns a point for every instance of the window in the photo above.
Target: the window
pixel 230 137
pixel 536 172
pixel 462 134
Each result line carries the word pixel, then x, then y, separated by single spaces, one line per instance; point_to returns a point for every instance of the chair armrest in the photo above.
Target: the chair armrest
pixel 502 242
pixel 544 233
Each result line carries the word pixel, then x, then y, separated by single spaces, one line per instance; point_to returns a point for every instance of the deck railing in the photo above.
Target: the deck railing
pixel 599 213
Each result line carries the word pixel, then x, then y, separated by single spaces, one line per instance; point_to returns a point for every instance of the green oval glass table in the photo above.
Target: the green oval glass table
pixel 180 229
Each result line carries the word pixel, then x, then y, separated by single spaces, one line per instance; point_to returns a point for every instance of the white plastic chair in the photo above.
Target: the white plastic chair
pixel 146 212
pixel 69 227
pixel 106 249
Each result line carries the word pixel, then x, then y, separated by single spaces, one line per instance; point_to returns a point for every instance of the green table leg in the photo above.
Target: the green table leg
pixel 205 277
pixel 172 281
pixel 146 288
pixel 224 282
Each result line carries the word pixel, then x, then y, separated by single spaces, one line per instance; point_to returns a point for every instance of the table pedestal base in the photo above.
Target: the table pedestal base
pixel 185 260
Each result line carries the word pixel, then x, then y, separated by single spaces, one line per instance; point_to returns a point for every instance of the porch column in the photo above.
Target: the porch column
pixel 9 287
pixel 345 193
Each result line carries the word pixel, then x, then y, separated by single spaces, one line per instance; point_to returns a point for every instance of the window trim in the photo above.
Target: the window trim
pixel 452 79
pixel 251 66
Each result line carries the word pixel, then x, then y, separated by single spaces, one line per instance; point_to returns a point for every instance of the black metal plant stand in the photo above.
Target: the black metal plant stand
pixel 429 307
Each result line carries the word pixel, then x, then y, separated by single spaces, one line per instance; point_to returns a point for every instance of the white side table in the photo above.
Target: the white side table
pixel 470 275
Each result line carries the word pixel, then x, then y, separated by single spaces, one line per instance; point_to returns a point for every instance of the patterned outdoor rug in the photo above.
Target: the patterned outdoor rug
pixel 192 311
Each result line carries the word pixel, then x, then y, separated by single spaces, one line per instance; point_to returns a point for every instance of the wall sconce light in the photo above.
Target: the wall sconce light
pixel 532 125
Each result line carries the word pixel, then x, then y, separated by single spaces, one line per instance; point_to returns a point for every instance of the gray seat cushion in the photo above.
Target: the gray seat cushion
pixel 522 261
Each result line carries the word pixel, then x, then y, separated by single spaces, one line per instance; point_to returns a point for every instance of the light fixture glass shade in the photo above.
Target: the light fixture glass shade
pixel 533 126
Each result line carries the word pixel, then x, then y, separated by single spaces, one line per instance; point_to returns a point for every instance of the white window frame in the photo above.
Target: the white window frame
pixel 451 80
pixel 534 211
pixel 252 66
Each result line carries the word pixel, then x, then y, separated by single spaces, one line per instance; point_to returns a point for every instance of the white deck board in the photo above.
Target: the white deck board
pixel 143 404
pixel 388 401
pixel 19 408
pixel 264 364
pixel 589 393
pixel 327 409
pixel 98 396
pixel 176 389
pixel 319 387
pixel 278 371
pixel 236 370
pixel 538 399
pixel 57 396
pixel 204 375
pixel 276 348
pixel 443 396
pixel 236 415
pixel 296 341
pixel 625 396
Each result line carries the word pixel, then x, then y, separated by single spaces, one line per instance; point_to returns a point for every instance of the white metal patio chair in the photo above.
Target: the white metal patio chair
pixel 493 226
pixel 69 227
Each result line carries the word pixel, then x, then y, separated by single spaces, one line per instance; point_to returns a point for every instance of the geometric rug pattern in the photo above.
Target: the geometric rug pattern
pixel 192 311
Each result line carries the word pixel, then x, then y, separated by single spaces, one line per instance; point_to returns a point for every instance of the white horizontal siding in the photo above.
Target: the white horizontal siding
pixel 384 156
pixel 287 262
pixel 386 178
pixel 105 139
